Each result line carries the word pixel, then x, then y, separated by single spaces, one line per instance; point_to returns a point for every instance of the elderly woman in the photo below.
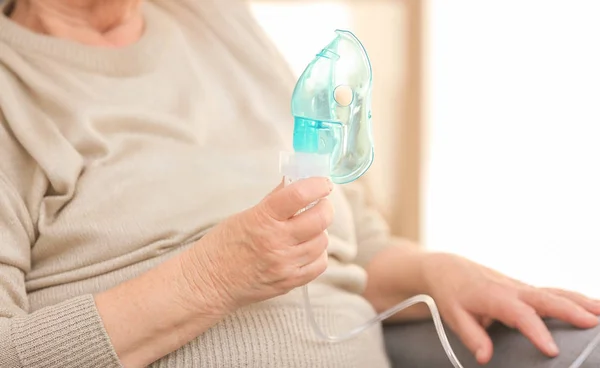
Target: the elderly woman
pixel 141 221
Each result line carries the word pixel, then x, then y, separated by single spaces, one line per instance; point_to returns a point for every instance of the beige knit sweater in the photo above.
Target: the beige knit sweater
pixel 111 161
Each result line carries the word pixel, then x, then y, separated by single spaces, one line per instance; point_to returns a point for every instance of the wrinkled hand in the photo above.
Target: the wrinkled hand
pixel 265 251
pixel 470 297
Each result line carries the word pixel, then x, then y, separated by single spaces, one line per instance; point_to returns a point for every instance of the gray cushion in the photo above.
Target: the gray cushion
pixel 416 345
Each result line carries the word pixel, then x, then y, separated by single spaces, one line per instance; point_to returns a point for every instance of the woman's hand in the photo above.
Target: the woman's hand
pixel 265 251
pixel 252 256
pixel 471 296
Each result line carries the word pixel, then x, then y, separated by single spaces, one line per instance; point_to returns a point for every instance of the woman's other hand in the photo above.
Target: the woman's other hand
pixel 471 296
pixel 265 251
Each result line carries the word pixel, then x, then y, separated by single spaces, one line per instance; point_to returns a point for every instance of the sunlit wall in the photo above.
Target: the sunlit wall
pixel 513 156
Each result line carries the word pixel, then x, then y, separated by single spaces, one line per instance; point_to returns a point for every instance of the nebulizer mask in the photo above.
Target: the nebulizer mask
pixel 331 106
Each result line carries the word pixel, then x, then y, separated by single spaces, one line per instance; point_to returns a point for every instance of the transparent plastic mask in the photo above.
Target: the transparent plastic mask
pixel 331 106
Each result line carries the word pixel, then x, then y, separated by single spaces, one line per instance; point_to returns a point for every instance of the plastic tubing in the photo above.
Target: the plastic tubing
pixel 294 166
pixel 437 321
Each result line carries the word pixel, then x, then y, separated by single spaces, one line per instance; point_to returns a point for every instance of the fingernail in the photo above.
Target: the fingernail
pixel 591 318
pixel 479 355
pixel 552 348
pixel 330 183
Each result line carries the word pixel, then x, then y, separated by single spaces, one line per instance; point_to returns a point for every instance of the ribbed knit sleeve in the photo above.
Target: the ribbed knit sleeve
pixel 372 231
pixel 67 335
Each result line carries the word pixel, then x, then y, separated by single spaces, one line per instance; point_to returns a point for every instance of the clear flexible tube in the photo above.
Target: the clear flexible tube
pixel 586 352
pixel 437 320
pixel 295 166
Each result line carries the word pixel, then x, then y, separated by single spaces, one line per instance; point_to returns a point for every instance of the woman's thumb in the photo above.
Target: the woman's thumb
pixel 283 203
pixel 278 187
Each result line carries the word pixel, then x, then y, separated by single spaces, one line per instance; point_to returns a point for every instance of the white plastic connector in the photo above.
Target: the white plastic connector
pixel 299 165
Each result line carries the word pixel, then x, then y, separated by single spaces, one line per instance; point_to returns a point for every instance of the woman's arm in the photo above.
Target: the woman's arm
pixel 155 314
pixel 261 253
pixel 130 325
pixel 394 275
pixel 393 265
pixel 258 254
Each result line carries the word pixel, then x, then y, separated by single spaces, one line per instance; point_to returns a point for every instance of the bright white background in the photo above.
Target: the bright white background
pixel 286 23
pixel 513 159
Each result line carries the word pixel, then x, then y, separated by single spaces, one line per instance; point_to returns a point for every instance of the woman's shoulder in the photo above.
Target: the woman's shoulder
pixel 230 22
pixel 231 27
